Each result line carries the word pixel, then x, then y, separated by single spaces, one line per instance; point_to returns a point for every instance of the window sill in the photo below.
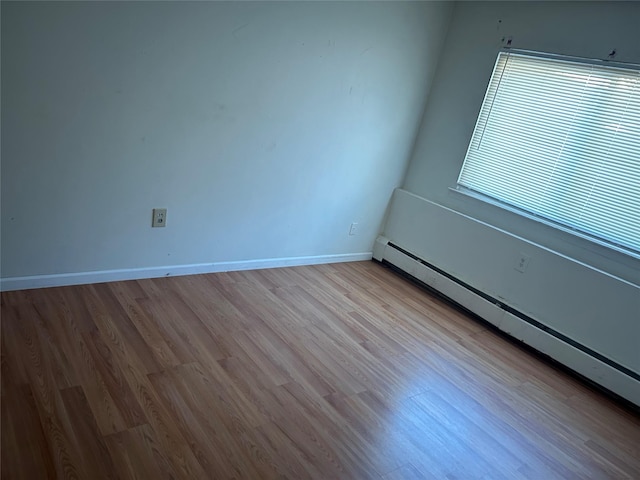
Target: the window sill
pixel 521 213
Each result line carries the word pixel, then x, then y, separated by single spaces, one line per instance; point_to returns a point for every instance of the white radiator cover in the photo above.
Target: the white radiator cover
pixel 597 311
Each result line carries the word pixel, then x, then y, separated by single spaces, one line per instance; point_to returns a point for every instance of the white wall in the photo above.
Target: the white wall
pixel 265 128
pixel 585 291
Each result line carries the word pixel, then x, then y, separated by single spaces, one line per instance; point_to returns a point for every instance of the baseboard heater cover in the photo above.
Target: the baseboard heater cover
pixel 588 363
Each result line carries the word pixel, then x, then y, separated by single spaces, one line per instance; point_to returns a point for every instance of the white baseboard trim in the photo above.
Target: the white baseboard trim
pixel 80 278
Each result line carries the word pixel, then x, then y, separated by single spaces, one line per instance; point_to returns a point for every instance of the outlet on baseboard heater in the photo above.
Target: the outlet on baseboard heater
pixel 581 359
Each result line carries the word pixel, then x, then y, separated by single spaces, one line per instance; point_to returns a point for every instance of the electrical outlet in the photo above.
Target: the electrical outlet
pixel 522 262
pixel 159 217
pixel 353 229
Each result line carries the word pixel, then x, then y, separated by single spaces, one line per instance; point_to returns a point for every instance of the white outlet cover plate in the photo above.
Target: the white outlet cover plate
pixel 159 217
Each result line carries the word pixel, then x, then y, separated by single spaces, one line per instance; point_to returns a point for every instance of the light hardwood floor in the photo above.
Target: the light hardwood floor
pixel 343 371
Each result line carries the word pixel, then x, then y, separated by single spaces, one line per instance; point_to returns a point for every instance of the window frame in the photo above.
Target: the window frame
pixel 521 212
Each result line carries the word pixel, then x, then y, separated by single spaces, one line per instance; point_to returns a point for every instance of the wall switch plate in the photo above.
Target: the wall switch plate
pixel 353 229
pixel 159 217
pixel 522 262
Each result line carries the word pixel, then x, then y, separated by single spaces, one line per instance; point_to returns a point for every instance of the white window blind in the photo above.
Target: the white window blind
pixel 561 139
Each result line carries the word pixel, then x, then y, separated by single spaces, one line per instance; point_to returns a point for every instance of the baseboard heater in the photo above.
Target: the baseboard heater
pixel 615 379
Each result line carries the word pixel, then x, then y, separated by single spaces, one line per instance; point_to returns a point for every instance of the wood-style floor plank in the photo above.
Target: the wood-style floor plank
pixel 343 371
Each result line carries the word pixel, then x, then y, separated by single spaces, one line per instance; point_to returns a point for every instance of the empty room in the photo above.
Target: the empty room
pixel 320 240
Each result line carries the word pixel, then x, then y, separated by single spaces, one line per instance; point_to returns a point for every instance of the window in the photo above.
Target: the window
pixel 560 139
